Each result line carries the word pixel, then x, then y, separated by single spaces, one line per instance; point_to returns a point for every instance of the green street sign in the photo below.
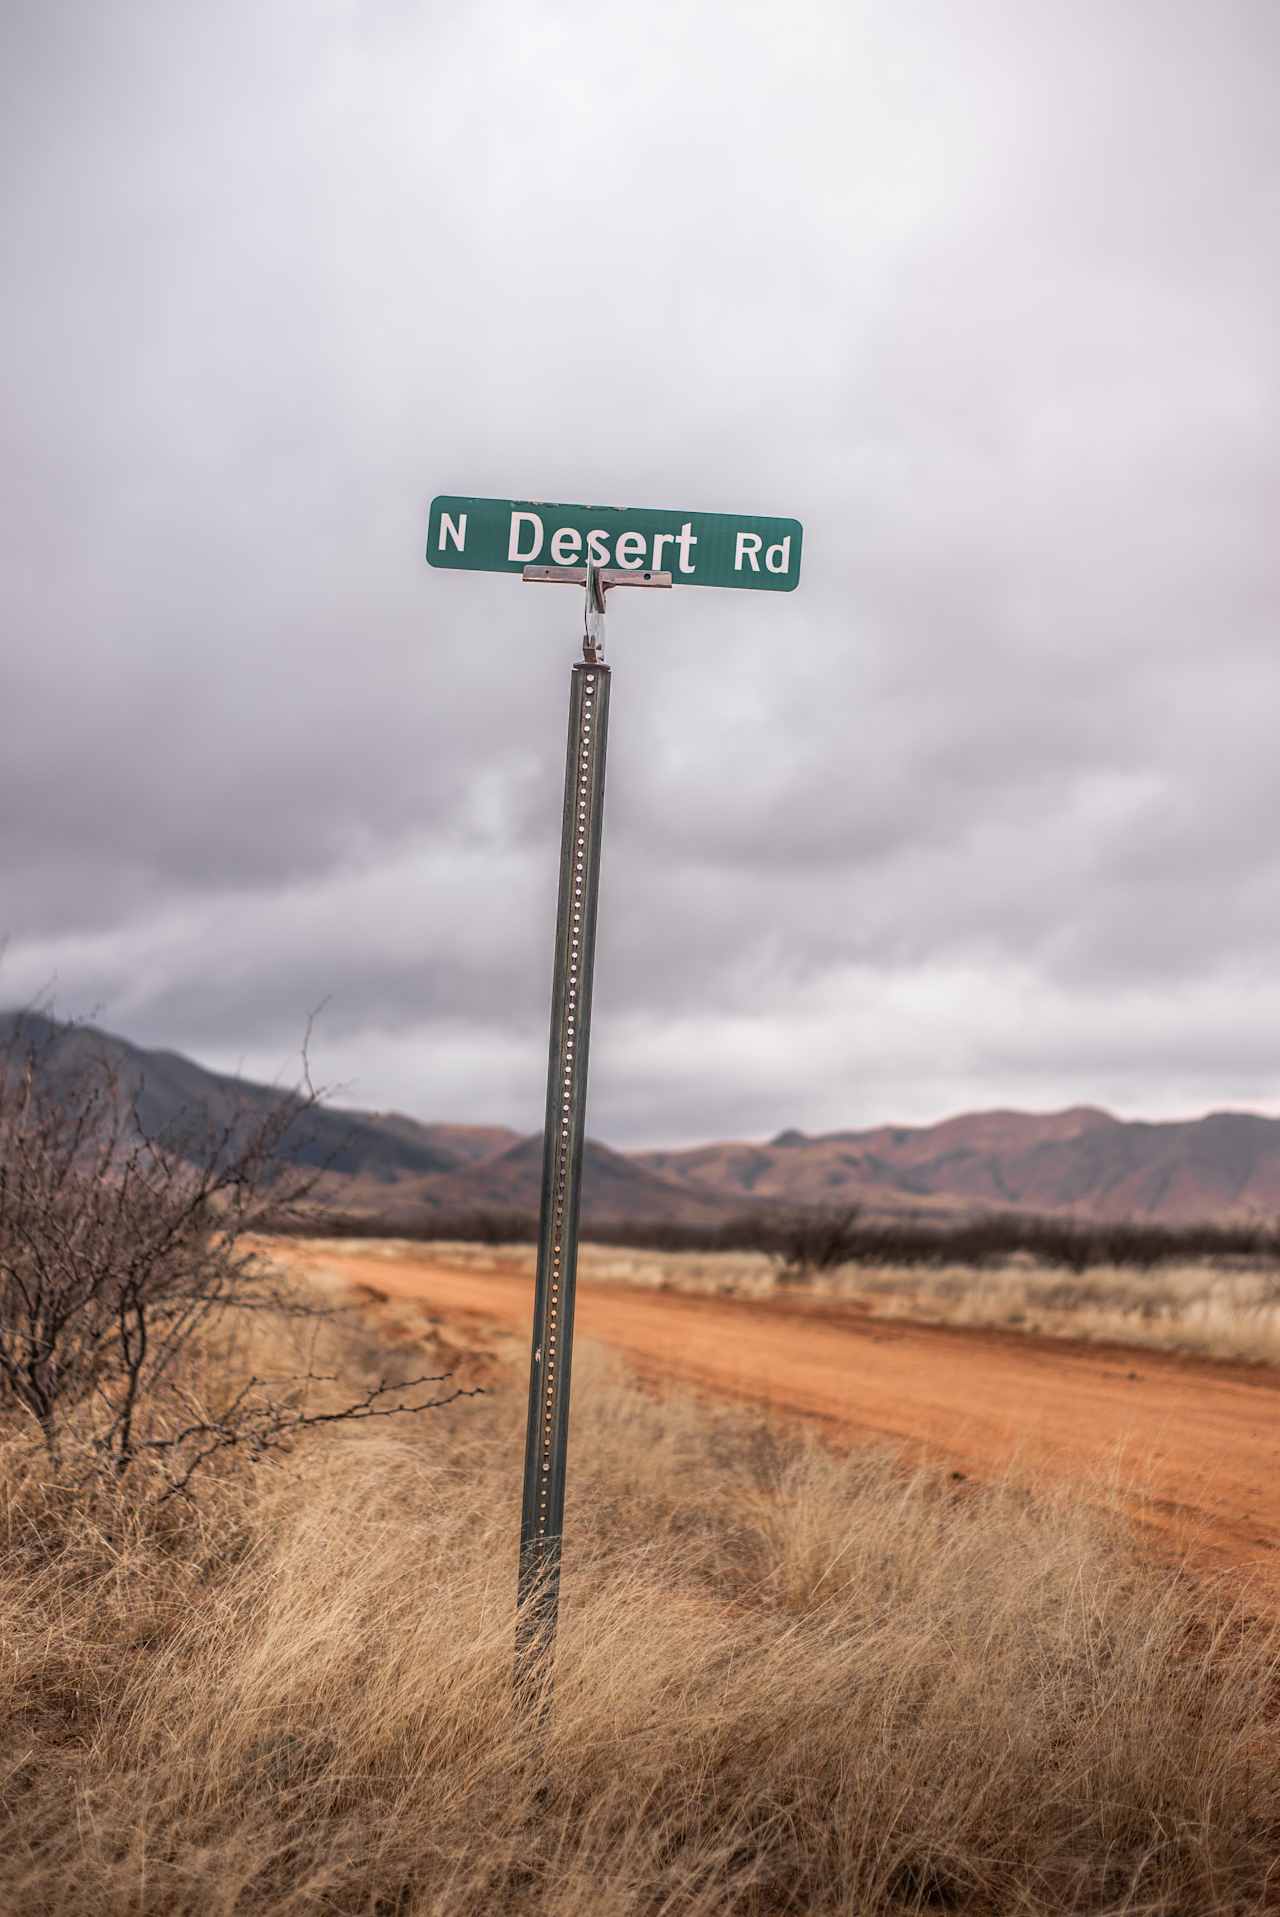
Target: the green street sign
pixel 697 549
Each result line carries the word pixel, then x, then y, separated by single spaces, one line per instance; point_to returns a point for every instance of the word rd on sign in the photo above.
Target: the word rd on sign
pixel 697 549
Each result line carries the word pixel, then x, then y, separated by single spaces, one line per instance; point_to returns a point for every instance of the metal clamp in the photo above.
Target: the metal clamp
pixel 593 617
pixel 597 580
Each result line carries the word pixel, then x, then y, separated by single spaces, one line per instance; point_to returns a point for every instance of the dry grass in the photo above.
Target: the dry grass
pixel 1211 1310
pixel 788 1682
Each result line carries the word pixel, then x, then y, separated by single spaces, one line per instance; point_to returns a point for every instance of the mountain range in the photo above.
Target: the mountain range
pixel 1082 1161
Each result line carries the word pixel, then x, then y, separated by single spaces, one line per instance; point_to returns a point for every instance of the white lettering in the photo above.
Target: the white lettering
pixel 597 550
pixel 458 533
pixel 629 551
pixel 513 547
pixel 688 537
pixel 783 550
pixel 566 545
pixel 659 541
pixel 749 545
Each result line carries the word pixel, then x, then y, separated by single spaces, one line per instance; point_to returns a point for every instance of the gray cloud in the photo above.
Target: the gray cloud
pixel 987 297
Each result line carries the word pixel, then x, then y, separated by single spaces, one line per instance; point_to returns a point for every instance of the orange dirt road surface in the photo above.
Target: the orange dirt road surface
pixel 1193 1446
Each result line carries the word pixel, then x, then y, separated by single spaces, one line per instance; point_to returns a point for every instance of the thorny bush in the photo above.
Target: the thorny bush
pixel 119 1248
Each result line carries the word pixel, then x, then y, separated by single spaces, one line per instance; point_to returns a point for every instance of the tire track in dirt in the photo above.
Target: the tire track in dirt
pixel 1189 1447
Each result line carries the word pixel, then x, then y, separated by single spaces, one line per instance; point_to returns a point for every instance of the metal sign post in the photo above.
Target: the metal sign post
pixel 618 546
pixel 547 1433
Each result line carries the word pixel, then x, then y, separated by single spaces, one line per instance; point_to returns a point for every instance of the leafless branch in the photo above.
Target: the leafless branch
pixel 118 1245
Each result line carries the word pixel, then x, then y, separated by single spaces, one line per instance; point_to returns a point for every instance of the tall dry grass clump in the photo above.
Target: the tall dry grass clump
pixel 787 1681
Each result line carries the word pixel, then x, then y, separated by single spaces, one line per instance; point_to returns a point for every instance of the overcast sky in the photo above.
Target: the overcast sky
pixel 982 291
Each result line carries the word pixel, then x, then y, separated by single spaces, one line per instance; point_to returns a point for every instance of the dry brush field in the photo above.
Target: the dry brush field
pixel 789 1680
pixel 1211 1308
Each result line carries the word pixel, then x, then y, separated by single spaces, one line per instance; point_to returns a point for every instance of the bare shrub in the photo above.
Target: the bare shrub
pixel 816 1241
pixel 118 1247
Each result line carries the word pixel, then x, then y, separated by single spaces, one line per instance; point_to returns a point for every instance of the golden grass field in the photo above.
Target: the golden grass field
pixel 789 1680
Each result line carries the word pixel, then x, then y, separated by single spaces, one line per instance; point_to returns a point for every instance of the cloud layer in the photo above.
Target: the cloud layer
pixel 987 296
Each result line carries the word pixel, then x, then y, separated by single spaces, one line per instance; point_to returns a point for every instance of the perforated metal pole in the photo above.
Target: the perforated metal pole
pixel 548 1429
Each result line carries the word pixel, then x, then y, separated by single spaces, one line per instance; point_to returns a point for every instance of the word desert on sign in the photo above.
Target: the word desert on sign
pixel 697 549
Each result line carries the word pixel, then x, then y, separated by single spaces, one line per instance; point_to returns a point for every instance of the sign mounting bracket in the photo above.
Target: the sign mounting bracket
pixel 597 580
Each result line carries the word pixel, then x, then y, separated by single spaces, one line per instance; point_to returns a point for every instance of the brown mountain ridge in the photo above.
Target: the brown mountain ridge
pixel 1081 1161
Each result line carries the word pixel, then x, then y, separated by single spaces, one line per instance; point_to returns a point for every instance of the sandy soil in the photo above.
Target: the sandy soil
pixel 1190 1448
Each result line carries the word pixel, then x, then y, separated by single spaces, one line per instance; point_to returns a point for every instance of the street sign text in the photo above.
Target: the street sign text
pixel 697 549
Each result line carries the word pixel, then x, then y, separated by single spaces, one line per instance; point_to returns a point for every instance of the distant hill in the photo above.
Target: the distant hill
pixel 615 1186
pixel 373 1161
pixel 172 1091
pixel 1080 1161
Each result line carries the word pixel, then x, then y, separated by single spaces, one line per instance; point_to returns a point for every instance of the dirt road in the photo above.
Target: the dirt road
pixel 1195 1445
